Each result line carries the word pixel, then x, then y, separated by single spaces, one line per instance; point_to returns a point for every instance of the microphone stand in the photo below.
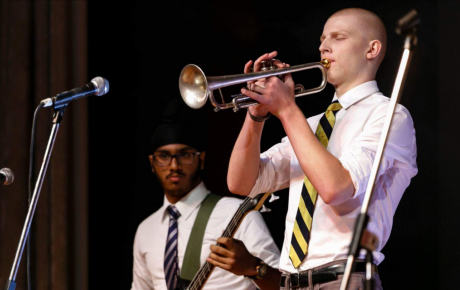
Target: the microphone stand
pixel 362 239
pixel 57 118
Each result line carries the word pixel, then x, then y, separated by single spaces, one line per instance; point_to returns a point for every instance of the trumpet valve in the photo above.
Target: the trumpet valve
pixel 267 65
pixel 236 106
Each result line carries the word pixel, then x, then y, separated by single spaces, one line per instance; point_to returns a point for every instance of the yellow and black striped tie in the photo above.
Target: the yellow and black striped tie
pixel 304 216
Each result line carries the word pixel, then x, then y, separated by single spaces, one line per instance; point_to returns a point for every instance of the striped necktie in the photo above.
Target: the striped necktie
pixel 170 264
pixel 304 216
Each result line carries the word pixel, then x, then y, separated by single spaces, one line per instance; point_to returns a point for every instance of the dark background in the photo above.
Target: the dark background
pixel 141 47
pixel 99 187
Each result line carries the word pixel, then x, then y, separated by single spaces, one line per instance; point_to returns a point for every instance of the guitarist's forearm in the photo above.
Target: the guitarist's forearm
pixel 271 280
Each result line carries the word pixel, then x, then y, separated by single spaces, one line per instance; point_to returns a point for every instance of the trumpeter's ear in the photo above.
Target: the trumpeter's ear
pixel 375 48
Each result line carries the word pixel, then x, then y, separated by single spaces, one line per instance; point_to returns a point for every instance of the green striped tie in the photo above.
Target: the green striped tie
pixel 304 216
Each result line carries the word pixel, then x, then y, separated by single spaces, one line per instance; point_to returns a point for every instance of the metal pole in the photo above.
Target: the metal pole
pixel 11 284
pixel 361 221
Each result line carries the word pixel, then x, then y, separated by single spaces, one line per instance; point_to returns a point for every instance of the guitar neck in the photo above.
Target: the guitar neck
pixel 203 274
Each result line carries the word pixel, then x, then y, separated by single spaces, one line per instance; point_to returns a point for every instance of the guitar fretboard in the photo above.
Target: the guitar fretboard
pixel 204 272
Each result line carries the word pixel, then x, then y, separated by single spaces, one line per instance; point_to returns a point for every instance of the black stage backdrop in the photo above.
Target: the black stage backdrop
pixel 141 47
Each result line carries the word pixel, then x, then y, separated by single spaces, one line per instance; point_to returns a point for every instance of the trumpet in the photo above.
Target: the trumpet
pixel 195 88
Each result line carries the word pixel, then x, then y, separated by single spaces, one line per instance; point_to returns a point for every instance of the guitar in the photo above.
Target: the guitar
pixel 248 205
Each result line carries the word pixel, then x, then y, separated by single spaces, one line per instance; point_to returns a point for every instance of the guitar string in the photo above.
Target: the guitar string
pixel 227 233
pixel 241 210
pixel 202 273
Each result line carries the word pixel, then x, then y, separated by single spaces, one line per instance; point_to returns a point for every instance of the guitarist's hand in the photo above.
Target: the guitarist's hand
pixel 234 258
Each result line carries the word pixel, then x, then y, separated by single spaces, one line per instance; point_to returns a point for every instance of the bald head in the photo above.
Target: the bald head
pixel 354 41
pixel 370 24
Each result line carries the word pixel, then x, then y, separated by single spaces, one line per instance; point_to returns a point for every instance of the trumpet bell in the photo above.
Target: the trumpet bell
pixel 193 86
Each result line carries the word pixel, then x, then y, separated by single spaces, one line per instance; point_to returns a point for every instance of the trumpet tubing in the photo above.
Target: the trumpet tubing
pixel 196 88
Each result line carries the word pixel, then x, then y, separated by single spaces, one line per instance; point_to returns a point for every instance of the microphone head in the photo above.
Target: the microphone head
pixel 9 175
pixel 407 23
pixel 101 84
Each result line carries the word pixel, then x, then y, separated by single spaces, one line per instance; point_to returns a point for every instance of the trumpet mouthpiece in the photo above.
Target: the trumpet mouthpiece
pixel 326 63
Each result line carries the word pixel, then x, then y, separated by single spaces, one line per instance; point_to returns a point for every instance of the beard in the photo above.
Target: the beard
pixel 181 189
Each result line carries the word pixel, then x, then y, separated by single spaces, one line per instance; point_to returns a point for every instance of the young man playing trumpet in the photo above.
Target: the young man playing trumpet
pixel 326 160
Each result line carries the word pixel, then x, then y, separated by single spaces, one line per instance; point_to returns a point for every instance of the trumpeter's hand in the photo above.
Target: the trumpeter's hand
pixel 273 94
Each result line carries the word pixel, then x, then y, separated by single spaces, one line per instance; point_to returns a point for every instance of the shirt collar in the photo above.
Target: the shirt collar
pixel 357 94
pixel 188 203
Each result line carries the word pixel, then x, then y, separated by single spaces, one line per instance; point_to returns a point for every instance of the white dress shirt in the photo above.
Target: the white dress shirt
pixel 150 241
pixel 354 142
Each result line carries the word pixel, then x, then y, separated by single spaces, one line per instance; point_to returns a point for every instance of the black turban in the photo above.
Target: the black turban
pixel 180 125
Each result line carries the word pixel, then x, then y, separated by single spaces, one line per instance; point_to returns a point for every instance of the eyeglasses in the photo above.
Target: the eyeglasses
pixel 184 158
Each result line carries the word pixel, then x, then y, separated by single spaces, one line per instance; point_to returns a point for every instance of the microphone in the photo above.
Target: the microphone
pixel 407 23
pixel 6 176
pixel 98 86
